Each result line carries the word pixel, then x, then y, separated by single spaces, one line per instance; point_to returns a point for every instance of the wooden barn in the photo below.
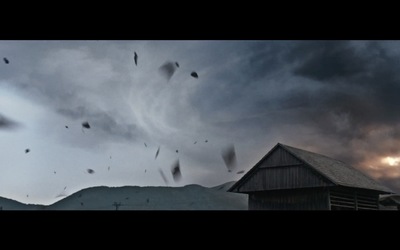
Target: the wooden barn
pixel 288 178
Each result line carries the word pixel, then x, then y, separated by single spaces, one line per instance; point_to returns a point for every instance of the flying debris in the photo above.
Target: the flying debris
pixel 177 64
pixel 90 171
pixel 62 194
pixel 27 195
pixel 110 157
pixel 206 141
pixel 229 157
pixel 85 125
pixel 81 203
pixel 126 198
pixel 65 187
pixel 148 200
pixel 163 176
pixel 135 58
pixel 176 171
pixel 145 170
pixel 177 151
pixel 6 60
pixel 167 69
pixel 27 150
pixel 194 74
pixel 158 151
pixel 66 126
pixel 195 142
pixel 240 172
pixel 108 168
pixel 55 172
pixel 145 144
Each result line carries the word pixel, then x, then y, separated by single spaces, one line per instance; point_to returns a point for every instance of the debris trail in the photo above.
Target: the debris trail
pixel 229 156
pixel 158 151
pixel 176 171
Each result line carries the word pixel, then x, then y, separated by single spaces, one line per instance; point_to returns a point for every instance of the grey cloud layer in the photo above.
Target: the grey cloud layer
pixel 340 98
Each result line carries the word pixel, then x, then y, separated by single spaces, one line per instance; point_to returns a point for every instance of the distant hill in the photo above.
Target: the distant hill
pixel 190 197
pixel 9 204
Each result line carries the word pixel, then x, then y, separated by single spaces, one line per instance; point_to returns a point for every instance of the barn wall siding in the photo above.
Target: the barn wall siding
pixel 288 177
pixel 300 199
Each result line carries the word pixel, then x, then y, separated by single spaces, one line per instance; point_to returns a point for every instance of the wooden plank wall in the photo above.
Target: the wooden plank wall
pixel 300 199
pixel 289 177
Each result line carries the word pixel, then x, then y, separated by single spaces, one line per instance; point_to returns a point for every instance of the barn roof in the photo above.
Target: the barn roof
pixel 336 171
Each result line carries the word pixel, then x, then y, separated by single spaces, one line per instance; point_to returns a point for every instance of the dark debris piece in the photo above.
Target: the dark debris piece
pixel 240 172
pixel 126 198
pixel 206 141
pixel 85 125
pixel 177 64
pixel 194 74
pixel 145 144
pixel 195 142
pixel 6 60
pixel 108 168
pixel 148 200
pixel 177 151
pixel 158 151
pixel 90 171
pixel 176 171
pixel 135 58
pixel 66 126
pixel 229 157
pixel 27 150
pixel 80 195
pixel 81 203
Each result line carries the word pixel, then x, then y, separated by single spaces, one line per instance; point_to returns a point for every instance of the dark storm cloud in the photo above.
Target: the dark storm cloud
pixel 363 82
pixel 327 60
pixel 342 92
pixel 357 99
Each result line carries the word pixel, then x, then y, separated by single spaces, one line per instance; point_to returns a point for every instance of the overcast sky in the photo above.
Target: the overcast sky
pixel 338 98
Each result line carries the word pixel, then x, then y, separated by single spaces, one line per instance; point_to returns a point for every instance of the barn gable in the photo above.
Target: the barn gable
pixel 285 167
pixel 280 169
